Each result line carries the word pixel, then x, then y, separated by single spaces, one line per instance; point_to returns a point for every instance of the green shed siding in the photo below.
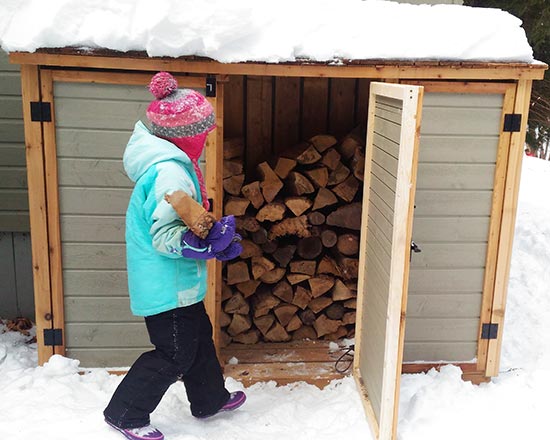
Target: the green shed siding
pixel 457 159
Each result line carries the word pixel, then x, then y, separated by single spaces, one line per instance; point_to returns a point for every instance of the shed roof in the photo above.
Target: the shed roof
pixel 273 32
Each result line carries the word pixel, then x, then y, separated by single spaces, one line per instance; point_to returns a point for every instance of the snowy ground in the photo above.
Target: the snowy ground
pixel 55 402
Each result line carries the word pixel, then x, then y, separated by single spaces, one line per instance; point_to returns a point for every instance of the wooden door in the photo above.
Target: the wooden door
pixel 87 194
pixel 388 203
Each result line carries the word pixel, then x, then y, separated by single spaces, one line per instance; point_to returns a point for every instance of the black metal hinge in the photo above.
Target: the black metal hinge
pixel 489 331
pixel 210 86
pixel 53 337
pixel 512 122
pixel 41 111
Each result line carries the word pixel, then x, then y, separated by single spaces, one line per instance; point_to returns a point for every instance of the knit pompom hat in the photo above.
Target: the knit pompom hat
pixel 177 113
pixel 182 116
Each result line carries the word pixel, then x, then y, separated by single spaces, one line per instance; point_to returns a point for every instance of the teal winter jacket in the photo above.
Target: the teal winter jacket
pixel 159 278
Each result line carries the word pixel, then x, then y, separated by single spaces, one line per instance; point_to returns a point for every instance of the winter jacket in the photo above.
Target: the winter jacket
pixel 159 278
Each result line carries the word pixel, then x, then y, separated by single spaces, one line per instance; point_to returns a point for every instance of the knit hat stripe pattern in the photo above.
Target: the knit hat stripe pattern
pixel 184 130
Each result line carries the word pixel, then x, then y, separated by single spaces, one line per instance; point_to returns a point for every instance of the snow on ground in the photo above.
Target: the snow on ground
pixel 251 30
pixel 55 402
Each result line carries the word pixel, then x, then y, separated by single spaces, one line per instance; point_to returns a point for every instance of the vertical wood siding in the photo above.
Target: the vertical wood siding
pixel 93 125
pixel 14 207
pixel 458 151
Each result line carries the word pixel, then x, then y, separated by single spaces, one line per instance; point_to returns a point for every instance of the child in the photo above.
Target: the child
pixel 166 262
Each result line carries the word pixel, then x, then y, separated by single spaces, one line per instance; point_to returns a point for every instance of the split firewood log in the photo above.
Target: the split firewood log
pixel 294 324
pixel 270 246
pixel 233 184
pixel 304 332
pixel 253 192
pixel 296 278
pixel 277 333
pixel 347 216
pixel 247 223
pixel 318 304
pixel 232 168
pixel 307 316
pixel 335 311
pixel 227 292
pixel 283 290
pixel 284 167
pixel 261 265
pixel 248 288
pixel 297 184
pixel 347 189
pixel 225 319
pixel 264 323
pixel 358 163
pixel 249 337
pixel 271 212
pixel 237 272
pixel 318 176
pixel 290 226
pixel 328 266
pixel 351 303
pixel 349 318
pixel 236 304
pixel 273 276
pixel 349 144
pixel 271 184
pixel 250 249
pixel 304 153
pixel 285 312
pixel 239 324
pixel 331 159
pixel 338 175
pixel 263 302
pixel 324 326
pixel 235 206
pixel 341 332
pixel 284 254
pixel 321 284
pixel 341 292
pixel 325 197
pixel 323 142
pixel 298 205
pixel 307 267
pixel 301 298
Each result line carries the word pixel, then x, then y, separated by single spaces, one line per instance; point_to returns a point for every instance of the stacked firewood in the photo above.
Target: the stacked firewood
pixel 300 219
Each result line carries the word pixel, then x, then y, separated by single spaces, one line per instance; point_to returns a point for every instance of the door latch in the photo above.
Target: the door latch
pixel 415 249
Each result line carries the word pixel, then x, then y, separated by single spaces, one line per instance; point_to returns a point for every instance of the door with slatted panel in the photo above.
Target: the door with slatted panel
pixel 388 203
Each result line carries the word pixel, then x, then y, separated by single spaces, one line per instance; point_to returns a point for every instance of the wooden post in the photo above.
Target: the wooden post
pixel 52 195
pixel 504 255
pixel 30 85
pixel 214 186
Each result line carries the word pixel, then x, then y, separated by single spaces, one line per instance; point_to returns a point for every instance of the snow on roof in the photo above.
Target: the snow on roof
pixel 267 31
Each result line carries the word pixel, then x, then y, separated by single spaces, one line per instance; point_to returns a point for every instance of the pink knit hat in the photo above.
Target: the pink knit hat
pixel 182 116
pixel 177 113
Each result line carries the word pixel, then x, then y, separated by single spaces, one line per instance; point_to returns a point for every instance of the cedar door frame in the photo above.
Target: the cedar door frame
pixel 503 212
pixel 381 307
pixel 213 154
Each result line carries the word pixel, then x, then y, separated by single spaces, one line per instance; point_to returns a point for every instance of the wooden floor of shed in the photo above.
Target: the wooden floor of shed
pixel 313 362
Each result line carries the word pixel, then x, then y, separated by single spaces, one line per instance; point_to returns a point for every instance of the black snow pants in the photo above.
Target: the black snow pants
pixel 183 350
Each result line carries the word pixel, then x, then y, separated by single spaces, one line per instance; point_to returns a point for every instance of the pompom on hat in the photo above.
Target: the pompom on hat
pixel 177 113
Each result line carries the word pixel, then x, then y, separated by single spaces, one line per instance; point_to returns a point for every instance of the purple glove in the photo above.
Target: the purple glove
pixel 232 251
pixel 195 247
pixel 222 234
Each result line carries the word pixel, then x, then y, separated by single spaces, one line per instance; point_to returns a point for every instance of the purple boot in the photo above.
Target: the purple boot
pixel 236 400
pixel 147 432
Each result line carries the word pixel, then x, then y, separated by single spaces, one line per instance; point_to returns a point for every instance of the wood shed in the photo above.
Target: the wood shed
pixel 443 150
